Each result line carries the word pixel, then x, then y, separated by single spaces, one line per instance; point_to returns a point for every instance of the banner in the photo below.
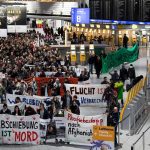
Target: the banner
pixel 33 101
pixel 79 128
pixel 88 94
pixel 118 57
pixel 103 137
pixel 19 129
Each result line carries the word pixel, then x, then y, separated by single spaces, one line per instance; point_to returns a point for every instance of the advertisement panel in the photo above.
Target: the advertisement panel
pixel 16 19
pixel 3 22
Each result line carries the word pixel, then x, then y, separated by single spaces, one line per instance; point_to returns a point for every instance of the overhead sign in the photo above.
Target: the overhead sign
pixel 80 15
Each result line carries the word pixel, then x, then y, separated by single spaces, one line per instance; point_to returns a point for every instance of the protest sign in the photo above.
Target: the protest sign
pixel 89 94
pixel 19 129
pixel 80 128
pixel 103 138
pixel 33 101
pixel 43 127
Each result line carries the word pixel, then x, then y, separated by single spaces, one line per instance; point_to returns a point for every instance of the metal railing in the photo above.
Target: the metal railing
pixel 131 94
pixel 143 142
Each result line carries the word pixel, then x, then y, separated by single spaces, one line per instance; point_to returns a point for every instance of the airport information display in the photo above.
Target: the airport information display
pixel 80 15
pixel 121 10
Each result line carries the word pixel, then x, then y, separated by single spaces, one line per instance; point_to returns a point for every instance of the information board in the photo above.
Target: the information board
pixel 80 15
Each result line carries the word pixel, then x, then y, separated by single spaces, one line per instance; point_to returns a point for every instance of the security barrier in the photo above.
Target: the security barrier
pixel 131 94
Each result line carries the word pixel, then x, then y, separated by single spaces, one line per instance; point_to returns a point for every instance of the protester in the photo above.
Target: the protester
pixel 119 86
pixel 114 76
pixel 66 100
pixel 17 100
pixel 17 111
pixel 43 112
pixel 123 74
pixel 29 111
pixel 75 108
pixel 5 110
pixel 105 81
pixel 131 73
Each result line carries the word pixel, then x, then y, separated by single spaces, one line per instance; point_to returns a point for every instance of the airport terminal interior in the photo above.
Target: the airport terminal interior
pixel 74 74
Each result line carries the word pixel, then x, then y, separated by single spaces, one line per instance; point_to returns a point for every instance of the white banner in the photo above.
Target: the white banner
pixel 33 101
pixel 19 129
pixel 89 94
pixel 79 128
pixel 47 73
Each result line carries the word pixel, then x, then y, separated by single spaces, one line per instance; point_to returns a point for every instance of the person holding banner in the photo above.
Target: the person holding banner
pixel 66 100
pixel 5 110
pixel 75 108
pixel 43 112
pixel 17 111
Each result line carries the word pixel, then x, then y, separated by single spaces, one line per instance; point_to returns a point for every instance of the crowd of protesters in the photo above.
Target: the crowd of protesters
pixel 21 58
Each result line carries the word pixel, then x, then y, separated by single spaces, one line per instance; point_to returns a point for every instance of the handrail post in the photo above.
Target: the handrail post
pixel 132 147
pixel 118 134
pixel 130 124
pixel 143 142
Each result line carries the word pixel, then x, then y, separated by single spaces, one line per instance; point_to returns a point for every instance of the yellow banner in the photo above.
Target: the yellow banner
pixel 103 133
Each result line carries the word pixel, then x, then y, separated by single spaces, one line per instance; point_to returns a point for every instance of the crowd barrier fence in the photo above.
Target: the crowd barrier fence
pixel 132 93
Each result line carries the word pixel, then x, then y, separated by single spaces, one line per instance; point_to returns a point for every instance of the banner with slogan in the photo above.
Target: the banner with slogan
pixel 44 81
pixel 19 129
pixel 80 128
pixel 58 124
pixel 103 137
pixel 88 94
pixel 33 101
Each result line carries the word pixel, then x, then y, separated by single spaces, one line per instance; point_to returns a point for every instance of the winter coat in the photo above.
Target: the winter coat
pixel 131 73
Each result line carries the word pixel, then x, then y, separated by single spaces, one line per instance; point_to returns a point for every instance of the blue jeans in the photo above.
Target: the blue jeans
pixel 91 68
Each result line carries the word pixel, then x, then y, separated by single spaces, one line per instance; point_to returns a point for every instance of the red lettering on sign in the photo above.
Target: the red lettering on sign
pixel 26 136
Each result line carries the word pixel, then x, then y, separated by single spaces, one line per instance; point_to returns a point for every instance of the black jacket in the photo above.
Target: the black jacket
pixel 131 73
pixel 45 115
pixel 75 109
pixel 123 74
pixel 8 111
